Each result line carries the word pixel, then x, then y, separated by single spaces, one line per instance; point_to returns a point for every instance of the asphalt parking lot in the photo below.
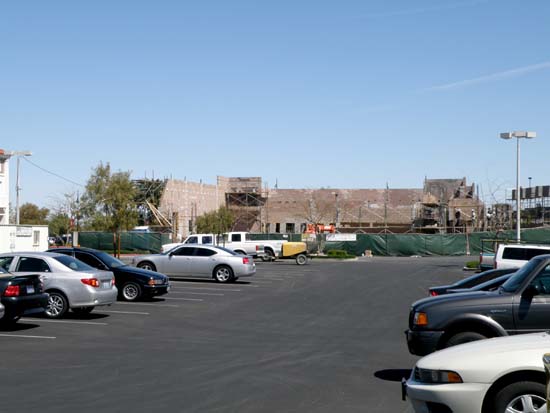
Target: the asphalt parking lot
pixel 326 337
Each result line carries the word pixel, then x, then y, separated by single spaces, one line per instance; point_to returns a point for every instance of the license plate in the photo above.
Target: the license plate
pixel 106 284
pixel 30 289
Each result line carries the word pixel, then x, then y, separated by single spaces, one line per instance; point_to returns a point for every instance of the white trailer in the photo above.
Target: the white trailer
pixel 15 238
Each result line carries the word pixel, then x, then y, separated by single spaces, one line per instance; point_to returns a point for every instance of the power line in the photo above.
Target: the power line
pixel 52 173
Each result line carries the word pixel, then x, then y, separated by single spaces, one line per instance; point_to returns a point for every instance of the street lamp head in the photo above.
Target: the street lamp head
pixel 518 134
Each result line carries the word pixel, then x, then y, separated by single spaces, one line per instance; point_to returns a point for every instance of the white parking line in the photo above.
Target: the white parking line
pixel 183 299
pixel 125 312
pixel 41 320
pixel 212 294
pixel 149 304
pixel 206 288
pixel 23 336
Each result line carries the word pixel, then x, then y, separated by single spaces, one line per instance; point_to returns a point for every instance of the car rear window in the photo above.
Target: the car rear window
pixel 73 263
pixel 524 254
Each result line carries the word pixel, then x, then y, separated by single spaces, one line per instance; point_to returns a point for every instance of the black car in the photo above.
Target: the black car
pixel 20 295
pixel 471 281
pixel 520 305
pixel 490 285
pixel 132 283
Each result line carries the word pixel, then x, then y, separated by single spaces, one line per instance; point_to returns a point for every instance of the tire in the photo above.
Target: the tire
pixel 57 305
pixel 465 337
pixel 521 397
pixel 146 265
pixel 130 291
pixel 301 259
pixel 82 310
pixel 223 274
pixel 269 255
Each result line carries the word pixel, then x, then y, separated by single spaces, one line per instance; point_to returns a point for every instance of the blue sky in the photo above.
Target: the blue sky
pixel 312 93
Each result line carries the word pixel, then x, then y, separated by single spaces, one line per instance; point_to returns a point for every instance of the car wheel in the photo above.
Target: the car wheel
pixel 146 265
pixel 301 259
pixel 57 305
pixel 521 397
pixel 465 337
pixel 82 310
pixel 223 274
pixel 268 256
pixel 131 291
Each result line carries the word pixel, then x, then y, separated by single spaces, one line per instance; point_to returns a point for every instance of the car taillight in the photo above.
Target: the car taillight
pixel 433 293
pixel 11 291
pixel 113 281
pixel 92 282
pixel 246 260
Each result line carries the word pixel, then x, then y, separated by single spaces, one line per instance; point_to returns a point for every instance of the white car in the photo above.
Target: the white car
pixel 517 255
pixel 498 375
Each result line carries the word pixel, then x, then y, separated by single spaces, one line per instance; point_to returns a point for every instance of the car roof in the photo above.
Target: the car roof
pixel 536 246
pixel 34 254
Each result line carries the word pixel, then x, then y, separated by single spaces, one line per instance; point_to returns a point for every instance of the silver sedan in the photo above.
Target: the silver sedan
pixel 205 261
pixel 70 283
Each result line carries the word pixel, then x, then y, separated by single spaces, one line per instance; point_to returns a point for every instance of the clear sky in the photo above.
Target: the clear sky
pixel 348 94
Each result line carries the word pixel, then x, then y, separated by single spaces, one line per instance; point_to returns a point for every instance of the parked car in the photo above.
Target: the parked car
pixel 199 261
pixel 490 285
pixel 132 283
pixel 517 255
pixel 70 283
pixel 471 281
pixel 501 375
pixel 521 305
pixel 20 295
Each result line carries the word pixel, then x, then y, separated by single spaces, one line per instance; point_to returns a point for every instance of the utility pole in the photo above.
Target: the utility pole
pixel 19 154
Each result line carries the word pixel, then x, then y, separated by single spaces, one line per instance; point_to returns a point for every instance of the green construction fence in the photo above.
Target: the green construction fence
pixel 150 242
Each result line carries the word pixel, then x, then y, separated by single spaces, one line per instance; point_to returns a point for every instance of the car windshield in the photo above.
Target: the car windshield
pixel 517 279
pixel 109 260
pixel 73 263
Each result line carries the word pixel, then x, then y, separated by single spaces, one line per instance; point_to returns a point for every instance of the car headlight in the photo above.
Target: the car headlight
pixel 420 319
pixel 156 281
pixel 436 376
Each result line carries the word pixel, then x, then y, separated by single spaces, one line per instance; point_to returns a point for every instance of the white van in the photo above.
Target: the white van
pixel 515 255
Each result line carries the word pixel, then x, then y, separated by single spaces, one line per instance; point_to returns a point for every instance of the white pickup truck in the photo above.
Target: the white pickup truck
pixel 236 241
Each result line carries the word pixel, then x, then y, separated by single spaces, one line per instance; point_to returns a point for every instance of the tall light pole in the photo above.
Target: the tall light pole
pixel 518 135
pixel 19 154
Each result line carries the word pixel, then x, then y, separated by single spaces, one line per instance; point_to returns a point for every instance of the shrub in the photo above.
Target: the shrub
pixel 472 264
pixel 339 254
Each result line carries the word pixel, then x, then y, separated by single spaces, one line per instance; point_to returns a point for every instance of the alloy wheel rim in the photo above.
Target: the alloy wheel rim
pixel 223 274
pixel 55 305
pixel 527 403
pixel 130 292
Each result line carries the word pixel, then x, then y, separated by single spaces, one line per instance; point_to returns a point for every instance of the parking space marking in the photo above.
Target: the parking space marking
pixel 183 299
pixel 191 293
pixel 25 336
pixel 150 304
pixel 40 320
pixel 124 312
pixel 206 288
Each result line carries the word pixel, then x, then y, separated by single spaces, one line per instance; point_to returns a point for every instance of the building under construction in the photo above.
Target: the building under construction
pixel 442 205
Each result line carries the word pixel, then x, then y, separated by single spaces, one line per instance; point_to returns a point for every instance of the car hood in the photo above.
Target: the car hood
pixel 126 269
pixel 462 297
pixel 485 361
